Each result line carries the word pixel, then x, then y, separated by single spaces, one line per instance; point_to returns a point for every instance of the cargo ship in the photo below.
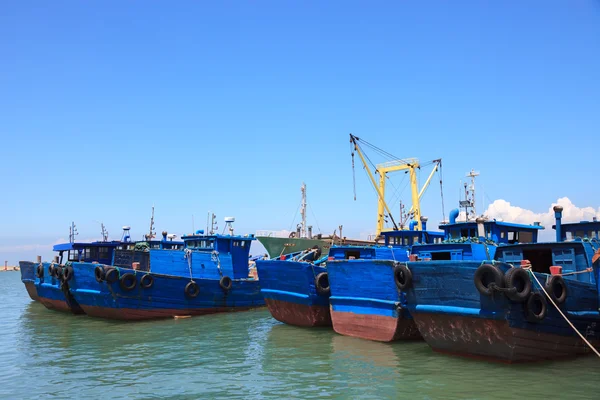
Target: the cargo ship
pixel 277 244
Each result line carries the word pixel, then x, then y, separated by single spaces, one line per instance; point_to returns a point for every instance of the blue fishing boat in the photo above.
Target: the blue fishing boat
pixel 52 278
pixel 367 299
pixel 296 287
pixel 528 302
pixel 210 275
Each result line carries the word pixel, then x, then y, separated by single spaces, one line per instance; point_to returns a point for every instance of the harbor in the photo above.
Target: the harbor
pixel 299 200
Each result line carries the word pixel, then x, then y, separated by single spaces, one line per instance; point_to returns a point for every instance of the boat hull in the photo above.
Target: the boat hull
pixel 366 303
pixel 290 292
pixel 165 298
pixel 454 317
pixel 54 294
pixel 28 270
pixel 495 340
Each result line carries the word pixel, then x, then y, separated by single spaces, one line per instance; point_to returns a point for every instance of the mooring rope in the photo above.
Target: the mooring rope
pixel 527 267
pixel 187 254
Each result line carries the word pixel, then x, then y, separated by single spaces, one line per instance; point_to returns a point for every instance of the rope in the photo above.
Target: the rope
pixel 187 254
pixel 527 267
pixel 215 257
pixel 587 270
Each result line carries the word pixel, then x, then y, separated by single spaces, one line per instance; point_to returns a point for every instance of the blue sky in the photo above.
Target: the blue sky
pixel 109 107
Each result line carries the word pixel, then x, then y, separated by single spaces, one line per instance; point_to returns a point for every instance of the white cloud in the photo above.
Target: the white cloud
pixel 571 213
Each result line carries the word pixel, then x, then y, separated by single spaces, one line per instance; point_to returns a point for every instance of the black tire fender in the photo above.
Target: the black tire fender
pixel 486 276
pixel 191 289
pixel 225 283
pixel 147 281
pixel 536 307
pixel 322 284
pixel 402 276
pixel 111 275
pixel 128 281
pixel 99 274
pixel 518 283
pixel 556 288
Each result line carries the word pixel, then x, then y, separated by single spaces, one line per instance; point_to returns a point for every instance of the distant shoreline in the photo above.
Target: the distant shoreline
pixel 9 269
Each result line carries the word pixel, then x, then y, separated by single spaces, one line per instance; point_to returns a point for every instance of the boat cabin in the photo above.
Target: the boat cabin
pixel 231 251
pixel 397 245
pixel 475 240
pixel 573 250
pixel 101 252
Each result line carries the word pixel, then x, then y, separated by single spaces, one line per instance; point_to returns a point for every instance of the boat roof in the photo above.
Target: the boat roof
pixel 492 222
pixel 591 225
pixel 408 232
pixel 81 245
pixel 217 236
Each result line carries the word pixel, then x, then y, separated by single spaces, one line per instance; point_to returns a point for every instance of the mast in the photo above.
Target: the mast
pixel 104 232
pixel 151 234
pixel 303 211
pixel 72 232
pixel 469 202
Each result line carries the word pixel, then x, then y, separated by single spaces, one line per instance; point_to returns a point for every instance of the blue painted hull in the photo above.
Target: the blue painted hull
pixel 289 290
pixel 54 294
pixel 454 317
pixel 28 277
pixel 366 303
pixel 166 297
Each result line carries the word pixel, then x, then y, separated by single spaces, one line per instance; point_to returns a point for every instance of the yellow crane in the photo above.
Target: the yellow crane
pixel 410 164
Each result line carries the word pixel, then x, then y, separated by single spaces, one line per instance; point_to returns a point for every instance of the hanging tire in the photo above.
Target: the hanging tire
pixel 51 270
pixel 192 289
pixel 68 273
pixel 486 277
pixel 111 275
pixel 58 272
pixel 402 276
pixel 317 253
pixel 556 288
pixel 536 307
pixel 225 283
pixel 322 284
pixel 128 281
pixel 40 271
pixel 519 284
pixel 99 274
pixel 147 281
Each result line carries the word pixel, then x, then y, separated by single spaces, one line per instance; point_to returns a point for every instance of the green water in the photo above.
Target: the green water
pixel 248 355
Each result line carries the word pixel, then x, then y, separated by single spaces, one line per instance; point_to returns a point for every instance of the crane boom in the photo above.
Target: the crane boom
pixel 380 190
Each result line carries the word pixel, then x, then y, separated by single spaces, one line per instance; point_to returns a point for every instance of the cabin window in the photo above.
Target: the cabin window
pixel 525 237
pixel 467 232
pixel 73 255
pixel 579 234
pixel 441 255
pixel 352 254
pixel 569 235
pixel 502 235
pixel 541 259
pixel 103 252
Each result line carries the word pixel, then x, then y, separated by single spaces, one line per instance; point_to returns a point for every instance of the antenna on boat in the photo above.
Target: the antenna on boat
pixel 104 232
pixel 151 234
pixel 72 232
pixel 229 223
pixel 469 202
pixel 213 224
pixel 303 211
pixel 125 236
